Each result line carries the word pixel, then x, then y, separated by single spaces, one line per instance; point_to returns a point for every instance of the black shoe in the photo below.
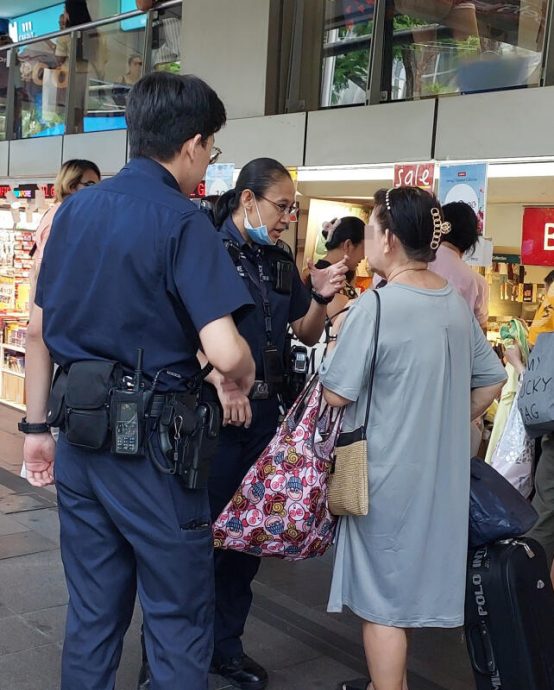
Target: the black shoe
pixel 144 677
pixel 242 672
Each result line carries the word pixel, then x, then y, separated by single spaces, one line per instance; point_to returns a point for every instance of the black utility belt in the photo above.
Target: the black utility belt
pixel 98 409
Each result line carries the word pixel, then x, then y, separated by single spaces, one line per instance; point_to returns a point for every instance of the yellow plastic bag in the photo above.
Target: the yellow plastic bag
pixel 544 318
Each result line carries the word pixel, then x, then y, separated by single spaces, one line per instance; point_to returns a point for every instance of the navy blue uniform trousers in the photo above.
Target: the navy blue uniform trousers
pixel 127 527
pixel 238 449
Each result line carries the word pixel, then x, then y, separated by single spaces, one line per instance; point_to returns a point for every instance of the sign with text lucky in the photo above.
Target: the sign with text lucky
pixel 537 237
pixel 466 182
pixel 414 175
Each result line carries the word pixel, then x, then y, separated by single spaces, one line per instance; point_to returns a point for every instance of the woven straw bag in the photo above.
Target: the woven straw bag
pixel 348 483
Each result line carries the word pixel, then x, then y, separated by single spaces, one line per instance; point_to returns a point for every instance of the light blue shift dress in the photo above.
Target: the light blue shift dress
pixel 404 563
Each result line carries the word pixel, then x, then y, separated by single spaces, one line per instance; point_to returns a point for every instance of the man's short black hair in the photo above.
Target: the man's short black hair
pixel 164 110
pixel 464 233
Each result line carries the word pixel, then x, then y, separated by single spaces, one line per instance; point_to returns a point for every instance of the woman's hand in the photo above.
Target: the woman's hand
pixel 512 355
pixel 328 281
pixel 236 405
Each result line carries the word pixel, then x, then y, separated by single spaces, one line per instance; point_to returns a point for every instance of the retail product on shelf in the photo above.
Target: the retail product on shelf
pixel 15 264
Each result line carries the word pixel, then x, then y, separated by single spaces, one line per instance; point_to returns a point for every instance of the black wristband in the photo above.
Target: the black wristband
pixel 39 428
pixel 320 299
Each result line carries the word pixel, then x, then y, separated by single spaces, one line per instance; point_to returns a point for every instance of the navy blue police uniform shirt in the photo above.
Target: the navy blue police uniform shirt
pixel 131 262
pixel 285 309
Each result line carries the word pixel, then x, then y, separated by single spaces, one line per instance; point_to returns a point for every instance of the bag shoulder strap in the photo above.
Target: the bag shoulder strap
pixel 374 356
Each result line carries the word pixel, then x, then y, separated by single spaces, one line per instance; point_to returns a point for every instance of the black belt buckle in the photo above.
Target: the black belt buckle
pixel 259 391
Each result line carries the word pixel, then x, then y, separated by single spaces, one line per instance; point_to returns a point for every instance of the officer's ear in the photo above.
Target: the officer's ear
pixel 247 199
pixel 190 148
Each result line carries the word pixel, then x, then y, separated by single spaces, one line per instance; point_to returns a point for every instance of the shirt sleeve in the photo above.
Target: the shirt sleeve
pixel 486 368
pixel 300 298
pixel 346 370
pixel 482 301
pixel 43 232
pixel 202 275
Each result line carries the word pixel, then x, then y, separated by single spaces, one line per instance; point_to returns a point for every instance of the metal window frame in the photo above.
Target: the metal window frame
pixel 11 95
pixel 548 48
pixel 71 93
pixel 376 54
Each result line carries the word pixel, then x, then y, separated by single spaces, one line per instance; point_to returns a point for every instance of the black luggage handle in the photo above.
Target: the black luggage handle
pixel 486 645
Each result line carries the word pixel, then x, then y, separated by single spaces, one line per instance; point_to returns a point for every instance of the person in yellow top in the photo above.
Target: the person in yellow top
pixel 543 501
pixel 544 318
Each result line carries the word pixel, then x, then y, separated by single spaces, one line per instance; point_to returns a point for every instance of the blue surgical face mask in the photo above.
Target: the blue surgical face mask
pixel 259 235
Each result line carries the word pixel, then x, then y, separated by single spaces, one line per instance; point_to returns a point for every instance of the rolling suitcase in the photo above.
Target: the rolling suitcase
pixel 509 616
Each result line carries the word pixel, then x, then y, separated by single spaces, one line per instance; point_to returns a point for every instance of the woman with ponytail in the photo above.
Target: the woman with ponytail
pixel 251 219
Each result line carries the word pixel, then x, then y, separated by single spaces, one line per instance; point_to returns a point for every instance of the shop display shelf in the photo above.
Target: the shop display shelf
pixel 11 403
pixel 11 371
pixel 15 348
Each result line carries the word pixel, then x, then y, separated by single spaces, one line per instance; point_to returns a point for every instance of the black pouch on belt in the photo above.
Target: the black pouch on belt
pixel 55 414
pixel 87 402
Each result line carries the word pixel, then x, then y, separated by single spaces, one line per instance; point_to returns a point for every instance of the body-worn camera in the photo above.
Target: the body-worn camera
pixel 297 369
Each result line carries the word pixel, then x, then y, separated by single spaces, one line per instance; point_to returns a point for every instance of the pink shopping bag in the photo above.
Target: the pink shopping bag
pixel 280 509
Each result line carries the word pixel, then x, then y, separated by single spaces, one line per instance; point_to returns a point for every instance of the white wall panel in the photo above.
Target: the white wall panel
pixel 370 134
pixel 508 124
pixel 38 157
pixel 4 157
pixel 106 149
pixel 276 136
pixel 226 44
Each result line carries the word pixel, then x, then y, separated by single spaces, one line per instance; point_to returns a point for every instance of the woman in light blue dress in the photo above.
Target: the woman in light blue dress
pixel 403 565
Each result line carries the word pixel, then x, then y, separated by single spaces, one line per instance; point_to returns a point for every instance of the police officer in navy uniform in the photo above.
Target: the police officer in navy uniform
pixel 251 219
pixel 132 263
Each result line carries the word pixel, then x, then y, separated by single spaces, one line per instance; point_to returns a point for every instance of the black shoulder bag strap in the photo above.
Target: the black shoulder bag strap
pixel 374 356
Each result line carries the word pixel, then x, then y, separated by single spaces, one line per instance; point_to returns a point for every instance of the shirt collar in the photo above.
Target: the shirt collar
pixel 230 230
pixel 152 168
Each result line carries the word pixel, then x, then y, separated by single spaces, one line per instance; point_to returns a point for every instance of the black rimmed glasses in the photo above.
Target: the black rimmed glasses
pixel 215 154
pixel 283 209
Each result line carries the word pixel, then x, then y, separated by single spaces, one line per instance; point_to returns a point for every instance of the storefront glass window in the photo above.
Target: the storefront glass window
pixel 40 90
pixel 346 44
pixel 435 47
pixel 109 61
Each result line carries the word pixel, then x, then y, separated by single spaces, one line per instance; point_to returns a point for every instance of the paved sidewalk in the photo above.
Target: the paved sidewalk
pixel 303 647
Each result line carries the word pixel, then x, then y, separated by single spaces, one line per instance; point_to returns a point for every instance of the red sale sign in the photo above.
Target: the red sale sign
pixel 537 240
pixel 414 175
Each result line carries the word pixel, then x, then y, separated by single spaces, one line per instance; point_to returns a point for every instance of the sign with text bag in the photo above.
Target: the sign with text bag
pixel 536 398
pixel 280 509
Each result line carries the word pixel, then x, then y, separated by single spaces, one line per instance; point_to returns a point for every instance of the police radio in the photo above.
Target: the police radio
pixel 127 414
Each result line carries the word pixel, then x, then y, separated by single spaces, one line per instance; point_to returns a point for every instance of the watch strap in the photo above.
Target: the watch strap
pixel 38 428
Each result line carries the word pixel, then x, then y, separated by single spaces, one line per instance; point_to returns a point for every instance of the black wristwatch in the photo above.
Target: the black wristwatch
pixel 26 428
pixel 320 299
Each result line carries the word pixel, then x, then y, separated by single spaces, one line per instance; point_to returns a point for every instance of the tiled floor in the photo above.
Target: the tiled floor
pixel 302 646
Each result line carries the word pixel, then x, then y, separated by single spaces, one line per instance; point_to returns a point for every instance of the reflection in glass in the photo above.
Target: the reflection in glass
pixel 453 46
pixel 114 64
pixel 40 91
pixel 166 40
pixel 346 43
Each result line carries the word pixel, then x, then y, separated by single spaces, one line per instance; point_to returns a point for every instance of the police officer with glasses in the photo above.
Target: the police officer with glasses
pixel 251 219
